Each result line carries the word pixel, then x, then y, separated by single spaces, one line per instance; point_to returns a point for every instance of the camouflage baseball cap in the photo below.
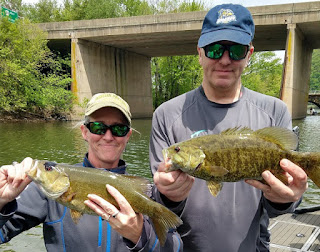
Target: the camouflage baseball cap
pixel 102 100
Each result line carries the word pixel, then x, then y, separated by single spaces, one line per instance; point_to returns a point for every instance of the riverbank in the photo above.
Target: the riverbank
pixel 27 116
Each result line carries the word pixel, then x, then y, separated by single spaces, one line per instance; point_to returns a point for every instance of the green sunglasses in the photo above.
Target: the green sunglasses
pixel 236 51
pixel 99 128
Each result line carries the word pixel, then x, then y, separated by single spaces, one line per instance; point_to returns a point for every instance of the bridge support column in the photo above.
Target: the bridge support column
pixel 98 68
pixel 296 72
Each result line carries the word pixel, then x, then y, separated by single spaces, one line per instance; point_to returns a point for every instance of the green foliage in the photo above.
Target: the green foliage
pixel 32 79
pixel 175 6
pixel 315 70
pixel 50 11
pixel 263 74
pixel 43 11
pixel 173 76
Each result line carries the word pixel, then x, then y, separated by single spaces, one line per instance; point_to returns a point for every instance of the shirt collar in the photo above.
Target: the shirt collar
pixel 121 169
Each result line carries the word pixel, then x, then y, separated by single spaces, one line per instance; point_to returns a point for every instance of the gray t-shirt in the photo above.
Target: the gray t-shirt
pixel 237 219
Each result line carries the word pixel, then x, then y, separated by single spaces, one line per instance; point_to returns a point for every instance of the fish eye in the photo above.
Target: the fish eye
pixel 48 166
pixel 177 149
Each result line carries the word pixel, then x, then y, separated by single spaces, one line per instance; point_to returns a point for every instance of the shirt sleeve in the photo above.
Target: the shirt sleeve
pixel 22 214
pixel 149 241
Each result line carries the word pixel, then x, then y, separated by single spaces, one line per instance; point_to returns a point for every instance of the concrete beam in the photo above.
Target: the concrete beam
pixel 296 73
pixel 178 33
pixel 98 68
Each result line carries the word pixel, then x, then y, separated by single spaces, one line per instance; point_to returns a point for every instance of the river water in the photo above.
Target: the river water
pixel 62 142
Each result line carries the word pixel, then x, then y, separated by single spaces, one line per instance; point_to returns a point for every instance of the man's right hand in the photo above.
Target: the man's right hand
pixel 175 185
pixel 13 180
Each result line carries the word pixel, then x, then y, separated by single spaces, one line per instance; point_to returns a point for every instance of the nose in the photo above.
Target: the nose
pixel 225 59
pixel 108 134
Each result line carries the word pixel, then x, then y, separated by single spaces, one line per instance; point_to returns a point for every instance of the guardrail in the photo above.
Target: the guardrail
pixel 314 92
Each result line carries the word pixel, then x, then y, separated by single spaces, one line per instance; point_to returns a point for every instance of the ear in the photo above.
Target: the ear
pixel 200 53
pixel 251 50
pixel 84 132
pixel 129 135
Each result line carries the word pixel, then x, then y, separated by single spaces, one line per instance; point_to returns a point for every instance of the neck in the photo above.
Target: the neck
pixel 222 95
pixel 103 165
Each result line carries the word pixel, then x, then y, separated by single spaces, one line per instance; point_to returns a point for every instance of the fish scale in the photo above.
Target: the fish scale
pixel 69 185
pixel 240 153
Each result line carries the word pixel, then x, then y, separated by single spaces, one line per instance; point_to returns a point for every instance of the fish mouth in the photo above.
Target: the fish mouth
pixel 55 189
pixel 167 160
pixel 33 172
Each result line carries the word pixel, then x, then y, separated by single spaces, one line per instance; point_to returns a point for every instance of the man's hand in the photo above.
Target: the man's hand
pixel 175 185
pixel 13 180
pixel 278 192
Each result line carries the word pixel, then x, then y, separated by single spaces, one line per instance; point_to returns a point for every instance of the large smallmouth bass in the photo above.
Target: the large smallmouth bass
pixel 69 185
pixel 238 154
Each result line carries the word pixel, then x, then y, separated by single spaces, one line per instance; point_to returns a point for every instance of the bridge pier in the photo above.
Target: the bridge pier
pixel 99 68
pixel 296 72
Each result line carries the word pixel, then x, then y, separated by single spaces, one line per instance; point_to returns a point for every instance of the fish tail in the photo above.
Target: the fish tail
pixel 163 220
pixel 313 168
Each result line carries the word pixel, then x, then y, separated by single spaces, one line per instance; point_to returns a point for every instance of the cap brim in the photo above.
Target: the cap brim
pixel 108 104
pixel 224 34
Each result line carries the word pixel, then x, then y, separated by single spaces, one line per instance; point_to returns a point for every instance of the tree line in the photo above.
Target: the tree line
pixel 37 81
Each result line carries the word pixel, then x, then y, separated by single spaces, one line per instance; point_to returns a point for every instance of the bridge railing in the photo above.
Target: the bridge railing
pixel 314 92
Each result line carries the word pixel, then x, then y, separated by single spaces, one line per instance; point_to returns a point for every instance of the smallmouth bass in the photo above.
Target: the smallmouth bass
pixel 69 185
pixel 240 153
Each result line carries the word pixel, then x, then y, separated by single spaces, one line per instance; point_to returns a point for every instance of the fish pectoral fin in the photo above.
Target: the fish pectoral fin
pixel 75 215
pixel 214 187
pixel 68 196
pixel 218 171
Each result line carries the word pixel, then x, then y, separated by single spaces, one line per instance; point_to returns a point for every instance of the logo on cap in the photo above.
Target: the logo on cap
pixel 225 16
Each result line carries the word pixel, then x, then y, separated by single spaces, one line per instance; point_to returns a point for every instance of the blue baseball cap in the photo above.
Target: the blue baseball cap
pixel 231 22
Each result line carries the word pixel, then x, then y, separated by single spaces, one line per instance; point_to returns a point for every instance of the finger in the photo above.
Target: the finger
pixel 102 204
pixel 27 164
pixel 257 184
pixel 20 178
pixel 168 178
pixel 97 209
pixel 9 172
pixel 162 167
pixel 123 204
pixel 298 175
pixel 182 182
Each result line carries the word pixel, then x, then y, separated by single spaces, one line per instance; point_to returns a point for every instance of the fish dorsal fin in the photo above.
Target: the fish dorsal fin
pixel 237 131
pixel 141 184
pixel 283 137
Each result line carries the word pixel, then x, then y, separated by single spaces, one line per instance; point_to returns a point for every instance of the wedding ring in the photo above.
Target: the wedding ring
pixel 106 216
pixel 115 215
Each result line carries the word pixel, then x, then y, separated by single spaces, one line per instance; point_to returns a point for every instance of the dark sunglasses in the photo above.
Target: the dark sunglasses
pixel 99 128
pixel 236 51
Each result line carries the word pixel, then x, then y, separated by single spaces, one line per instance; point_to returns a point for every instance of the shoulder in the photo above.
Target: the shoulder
pixel 263 101
pixel 174 107
pixel 271 106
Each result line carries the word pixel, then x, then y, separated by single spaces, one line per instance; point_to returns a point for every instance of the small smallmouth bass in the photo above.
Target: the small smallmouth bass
pixel 69 185
pixel 238 154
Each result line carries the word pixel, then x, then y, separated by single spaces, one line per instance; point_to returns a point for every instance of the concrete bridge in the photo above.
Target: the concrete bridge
pixel 113 55
pixel 314 97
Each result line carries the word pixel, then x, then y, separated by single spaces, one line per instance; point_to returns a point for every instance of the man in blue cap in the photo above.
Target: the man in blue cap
pixel 237 219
